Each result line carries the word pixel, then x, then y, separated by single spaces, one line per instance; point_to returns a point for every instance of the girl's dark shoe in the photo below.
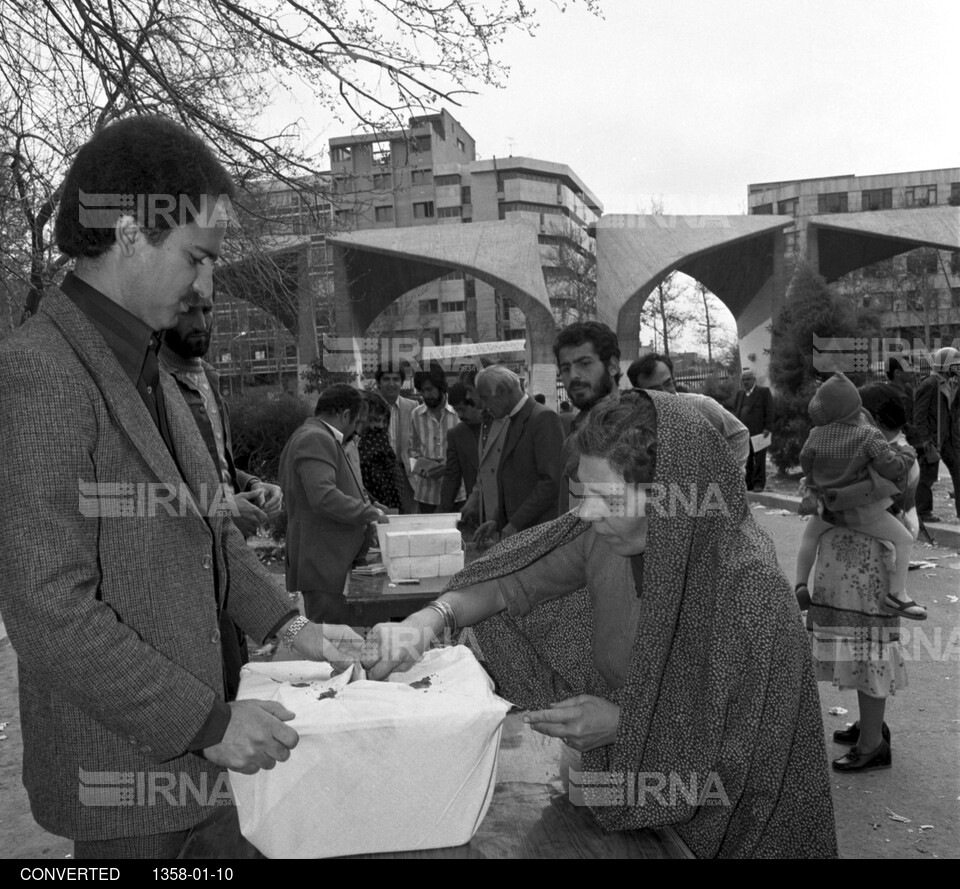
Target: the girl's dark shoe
pixel 851 734
pixel 856 760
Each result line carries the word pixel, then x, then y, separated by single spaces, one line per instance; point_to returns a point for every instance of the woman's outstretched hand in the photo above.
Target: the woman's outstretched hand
pixel 392 647
pixel 583 722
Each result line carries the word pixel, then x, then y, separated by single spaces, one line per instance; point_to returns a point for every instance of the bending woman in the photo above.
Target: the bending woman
pixel 656 633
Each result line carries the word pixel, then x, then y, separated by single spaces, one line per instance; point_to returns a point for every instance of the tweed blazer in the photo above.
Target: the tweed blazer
pixel 528 478
pixel 111 593
pixel 327 516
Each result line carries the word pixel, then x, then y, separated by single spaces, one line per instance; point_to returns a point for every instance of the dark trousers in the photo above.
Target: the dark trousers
pixel 928 476
pixel 158 845
pixel 323 607
pixel 756 469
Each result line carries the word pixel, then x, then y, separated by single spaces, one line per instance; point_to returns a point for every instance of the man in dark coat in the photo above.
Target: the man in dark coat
pixel 753 406
pixel 463 449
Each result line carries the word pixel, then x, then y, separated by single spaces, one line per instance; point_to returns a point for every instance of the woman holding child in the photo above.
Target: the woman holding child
pixel 854 622
pixel 657 642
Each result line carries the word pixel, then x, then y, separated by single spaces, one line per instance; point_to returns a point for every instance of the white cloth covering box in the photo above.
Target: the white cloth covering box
pixel 409 763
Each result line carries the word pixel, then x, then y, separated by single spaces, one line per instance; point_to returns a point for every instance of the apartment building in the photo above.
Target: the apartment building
pixel 429 174
pixel 916 293
pixel 425 174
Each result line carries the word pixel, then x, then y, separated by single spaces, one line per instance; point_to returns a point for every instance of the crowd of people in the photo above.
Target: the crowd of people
pixel 651 638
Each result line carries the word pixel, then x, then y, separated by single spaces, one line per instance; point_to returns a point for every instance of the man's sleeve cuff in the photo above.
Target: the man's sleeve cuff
pixel 278 626
pixel 213 729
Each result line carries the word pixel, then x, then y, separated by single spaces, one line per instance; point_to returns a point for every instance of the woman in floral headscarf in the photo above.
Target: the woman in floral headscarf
pixel 656 633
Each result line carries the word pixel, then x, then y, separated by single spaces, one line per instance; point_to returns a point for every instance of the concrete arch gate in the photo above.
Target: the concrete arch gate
pixel 736 257
pixel 739 258
pixel 371 269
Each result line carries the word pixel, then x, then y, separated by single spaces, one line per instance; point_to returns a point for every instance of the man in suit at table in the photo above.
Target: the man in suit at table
pixel 753 406
pixel 118 553
pixel 328 513
pixel 528 475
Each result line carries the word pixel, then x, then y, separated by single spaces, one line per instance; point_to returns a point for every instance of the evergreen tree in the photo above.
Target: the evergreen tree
pixel 810 308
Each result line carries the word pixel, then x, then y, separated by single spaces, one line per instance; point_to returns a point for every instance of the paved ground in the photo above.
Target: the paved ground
pixel 922 789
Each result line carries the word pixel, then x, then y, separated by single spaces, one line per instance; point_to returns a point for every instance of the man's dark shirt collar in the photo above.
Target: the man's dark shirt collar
pixel 126 335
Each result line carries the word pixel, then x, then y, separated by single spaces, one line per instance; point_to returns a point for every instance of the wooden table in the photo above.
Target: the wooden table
pixel 373 600
pixel 530 816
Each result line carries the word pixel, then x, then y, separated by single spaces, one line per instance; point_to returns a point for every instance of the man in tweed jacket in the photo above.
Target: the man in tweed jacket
pixel 118 555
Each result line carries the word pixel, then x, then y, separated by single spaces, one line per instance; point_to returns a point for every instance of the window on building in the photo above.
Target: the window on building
pixel 923 261
pixel 788 207
pixel 383 214
pixel 790 243
pixel 465 196
pixel 340 153
pixel 423 210
pixel 454 306
pixel 955 297
pixel 345 217
pixel 955 262
pixel 421 144
pixel 877 199
pixel 455 275
pixel 448 212
pixel 920 196
pixel 429 306
pixel 461 145
pixel 762 210
pixel 441 181
pixel 382 182
pixel 381 153
pixel 955 194
pixel 421 177
pixel 835 202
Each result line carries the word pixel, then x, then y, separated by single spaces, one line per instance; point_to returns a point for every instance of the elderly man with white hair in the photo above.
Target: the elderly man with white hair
pixel 528 474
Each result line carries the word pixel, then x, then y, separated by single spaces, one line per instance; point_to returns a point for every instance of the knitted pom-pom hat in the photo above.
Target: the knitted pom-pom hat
pixel 836 400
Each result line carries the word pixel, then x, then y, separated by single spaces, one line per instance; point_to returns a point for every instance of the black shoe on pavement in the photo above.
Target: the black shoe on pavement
pixel 851 734
pixel 929 519
pixel 856 760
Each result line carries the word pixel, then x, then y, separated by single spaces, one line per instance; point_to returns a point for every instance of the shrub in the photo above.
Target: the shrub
pixel 261 425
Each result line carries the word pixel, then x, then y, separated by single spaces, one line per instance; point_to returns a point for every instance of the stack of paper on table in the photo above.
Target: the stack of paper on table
pixel 409 763
pixel 421 546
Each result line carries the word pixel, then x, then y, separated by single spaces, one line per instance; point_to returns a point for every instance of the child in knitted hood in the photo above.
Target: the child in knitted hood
pixel 855 473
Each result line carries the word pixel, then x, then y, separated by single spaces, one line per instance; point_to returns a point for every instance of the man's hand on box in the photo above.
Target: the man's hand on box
pixel 257 737
pixel 393 647
pixel 339 645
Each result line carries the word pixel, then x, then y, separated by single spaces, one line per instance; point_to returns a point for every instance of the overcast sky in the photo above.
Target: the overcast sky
pixel 695 99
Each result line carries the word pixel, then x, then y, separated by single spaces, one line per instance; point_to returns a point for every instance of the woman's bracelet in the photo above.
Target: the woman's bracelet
pixel 446 612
